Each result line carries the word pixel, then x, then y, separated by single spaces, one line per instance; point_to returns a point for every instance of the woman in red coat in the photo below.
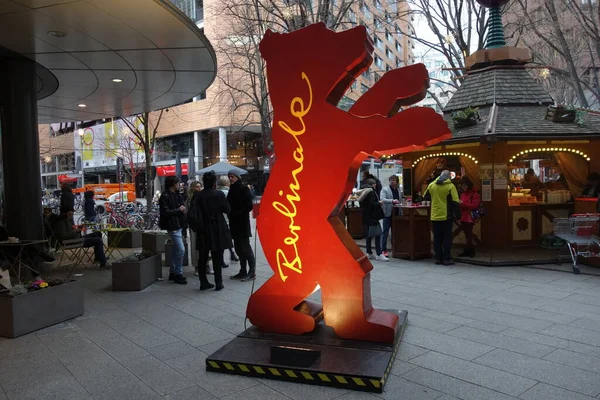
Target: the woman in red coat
pixel 469 202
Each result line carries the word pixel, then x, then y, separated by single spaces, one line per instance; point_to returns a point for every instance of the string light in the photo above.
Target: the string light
pixel 452 153
pixel 550 149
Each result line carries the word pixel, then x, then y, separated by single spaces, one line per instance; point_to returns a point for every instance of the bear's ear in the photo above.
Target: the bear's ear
pixel 267 42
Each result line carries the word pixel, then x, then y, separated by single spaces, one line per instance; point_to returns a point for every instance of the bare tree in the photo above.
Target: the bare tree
pixel 242 78
pixel 144 132
pixel 562 35
pixel 124 144
pixel 458 29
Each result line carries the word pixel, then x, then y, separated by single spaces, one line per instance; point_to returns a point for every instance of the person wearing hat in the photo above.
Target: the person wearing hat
pixel 240 201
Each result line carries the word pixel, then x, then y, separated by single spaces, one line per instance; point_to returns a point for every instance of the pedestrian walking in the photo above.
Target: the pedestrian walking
pixel 390 196
pixel 240 200
pixel 193 187
pixel 214 236
pixel 372 214
pixel 445 209
pixel 172 219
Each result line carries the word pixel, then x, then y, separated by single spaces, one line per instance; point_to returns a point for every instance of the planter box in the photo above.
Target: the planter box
pixel 169 251
pixel 128 240
pixel 40 309
pixel 154 241
pixel 136 275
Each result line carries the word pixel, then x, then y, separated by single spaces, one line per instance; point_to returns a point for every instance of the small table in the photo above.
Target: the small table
pixel 411 233
pixel 14 253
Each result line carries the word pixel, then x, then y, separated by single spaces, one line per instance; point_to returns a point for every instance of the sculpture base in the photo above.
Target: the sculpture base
pixel 328 360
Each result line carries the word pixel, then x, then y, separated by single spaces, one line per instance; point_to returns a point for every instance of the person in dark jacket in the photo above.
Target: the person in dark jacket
pixel 240 201
pixel 172 220
pixel 63 230
pixel 372 213
pixel 89 206
pixel 214 235
pixel 67 199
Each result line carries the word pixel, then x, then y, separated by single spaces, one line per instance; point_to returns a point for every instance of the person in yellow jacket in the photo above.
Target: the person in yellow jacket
pixel 445 204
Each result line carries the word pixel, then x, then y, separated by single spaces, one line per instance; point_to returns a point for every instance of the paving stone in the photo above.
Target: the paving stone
pixel 539 292
pixel 120 348
pixel 468 301
pixel 432 324
pixel 477 374
pixel 531 313
pixel 64 388
pixel 473 323
pixel 566 377
pixel 258 392
pixel 508 320
pixel 193 367
pixel 171 350
pixel 443 343
pixel 518 299
pixel 94 328
pixel 577 360
pixel 301 391
pixel 431 304
pixel 357 396
pixel 131 391
pixel 399 367
pixel 157 375
pixel 452 386
pixel 536 338
pixel 585 323
pixel 2 395
pixel 584 299
pixel 146 335
pixel 192 393
pixel 573 309
pixel 502 341
pixel 407 351
pixel 24 344
pixel 21 370
pixel 574 334
pixel 542 391
pixel 409 390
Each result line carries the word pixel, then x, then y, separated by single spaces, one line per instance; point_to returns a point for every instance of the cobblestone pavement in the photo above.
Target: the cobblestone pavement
pixel 474 333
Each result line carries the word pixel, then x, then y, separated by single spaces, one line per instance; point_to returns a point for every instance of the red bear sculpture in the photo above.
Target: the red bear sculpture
pixel 319 150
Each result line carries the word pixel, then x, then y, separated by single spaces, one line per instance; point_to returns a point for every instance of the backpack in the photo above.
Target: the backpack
pixel 194 216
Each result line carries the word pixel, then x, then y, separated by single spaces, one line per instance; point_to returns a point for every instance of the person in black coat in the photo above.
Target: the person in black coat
pixel 67 199
pixel 89 206
pixel 240 201
pixel 214 234
pixel 172 220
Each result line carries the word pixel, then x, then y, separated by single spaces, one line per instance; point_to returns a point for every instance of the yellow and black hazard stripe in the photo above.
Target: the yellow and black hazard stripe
pixel 297 375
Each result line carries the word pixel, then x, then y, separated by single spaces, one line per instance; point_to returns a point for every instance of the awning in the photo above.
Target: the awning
pixel 67 178
pixel 169 170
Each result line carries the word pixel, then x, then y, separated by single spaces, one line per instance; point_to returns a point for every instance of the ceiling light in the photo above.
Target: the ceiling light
pixel 57 34
pixel 80 132
pixel 81 105
pixel 117 80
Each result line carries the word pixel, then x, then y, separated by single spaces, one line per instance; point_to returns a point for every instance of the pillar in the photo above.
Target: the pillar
pixel 198 152
pixel 222 144
pixel 20 148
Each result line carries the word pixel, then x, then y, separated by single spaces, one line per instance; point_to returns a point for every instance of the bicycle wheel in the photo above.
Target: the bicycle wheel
pixel 136 221
pixel 81 220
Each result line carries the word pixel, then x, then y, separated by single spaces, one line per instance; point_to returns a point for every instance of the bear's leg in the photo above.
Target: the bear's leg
pixel 271 307
pixel 348 310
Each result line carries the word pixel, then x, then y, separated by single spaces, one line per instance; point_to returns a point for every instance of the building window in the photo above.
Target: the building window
pixel 363 88
pixel 378 62
pixel 398 47
pixel 367 74
pixel 387 68
pixel 394 6
pixel 378 5
pixel 377 23
pixel 378 43
pixel 352 17
pixel 365 10
pixel 376 75
pixel 354 85
pixel 389 36
pixel 388 54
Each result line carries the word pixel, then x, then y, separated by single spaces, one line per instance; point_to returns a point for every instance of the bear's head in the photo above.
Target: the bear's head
pixel 331 60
